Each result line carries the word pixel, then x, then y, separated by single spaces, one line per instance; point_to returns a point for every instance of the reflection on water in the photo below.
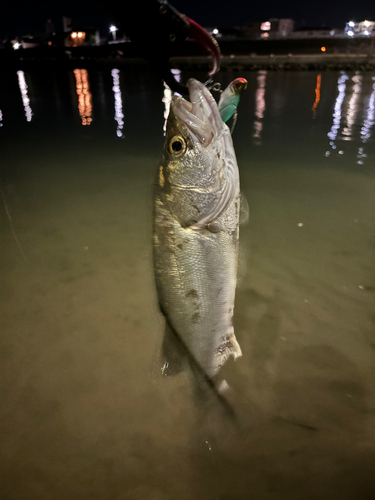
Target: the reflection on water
pixel 119 116
pixel 317 94
pixel 352 107
pixel 79 322
pixel 260 106
pixel 84 95
pixel 25 98
pixel 370 114
pixel 367 124
pixel 1 118
pixel 332 134
pixel 357 100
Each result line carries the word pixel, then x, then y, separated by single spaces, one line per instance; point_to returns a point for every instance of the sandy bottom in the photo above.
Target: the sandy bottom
pixel 85 412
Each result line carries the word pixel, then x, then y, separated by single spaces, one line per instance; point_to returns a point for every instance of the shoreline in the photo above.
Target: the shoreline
pixel 233 62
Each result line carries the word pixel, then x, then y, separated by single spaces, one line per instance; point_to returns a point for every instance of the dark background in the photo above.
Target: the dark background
pixel 21 17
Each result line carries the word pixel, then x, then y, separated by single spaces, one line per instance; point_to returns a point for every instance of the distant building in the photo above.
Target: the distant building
pixel 274 28
pixel 50 27
pixel 315 32
pixel 252 30
pixel 281 27
pixel 82 36
pixel 363 28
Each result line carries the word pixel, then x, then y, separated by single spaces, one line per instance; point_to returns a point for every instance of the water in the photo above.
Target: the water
pixel 85 413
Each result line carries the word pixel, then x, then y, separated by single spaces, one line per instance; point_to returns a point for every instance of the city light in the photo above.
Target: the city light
pixel 80 35
pixel 24 94
pixel 351 24
pixel 119 115
pixel 323 49
pixel 317 94
pixel 84 96
pixel 113 29
pixel 16 45
pixel 74 35
pixel 260 106
pixel 266 26
pixel 341 87
pixel 367 33
pixel 215 31
pixel 350 33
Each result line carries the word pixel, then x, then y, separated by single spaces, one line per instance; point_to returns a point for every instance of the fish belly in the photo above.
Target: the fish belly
pixel 196 273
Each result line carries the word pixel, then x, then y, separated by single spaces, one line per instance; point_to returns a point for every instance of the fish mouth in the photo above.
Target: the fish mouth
pixel 200 116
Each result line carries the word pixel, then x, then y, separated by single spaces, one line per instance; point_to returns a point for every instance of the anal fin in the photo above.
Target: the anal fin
pixel 229 347
pixel 173 352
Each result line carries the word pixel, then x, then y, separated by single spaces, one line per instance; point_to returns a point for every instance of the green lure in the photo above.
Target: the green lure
pixel 230 98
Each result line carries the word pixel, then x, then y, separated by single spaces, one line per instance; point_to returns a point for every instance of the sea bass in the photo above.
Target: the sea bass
pixel 196 228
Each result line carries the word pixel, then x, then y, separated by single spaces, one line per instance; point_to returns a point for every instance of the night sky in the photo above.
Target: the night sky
pixel 22 16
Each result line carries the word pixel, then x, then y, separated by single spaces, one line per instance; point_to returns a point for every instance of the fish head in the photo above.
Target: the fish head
pixel 198 175
pixel 194 150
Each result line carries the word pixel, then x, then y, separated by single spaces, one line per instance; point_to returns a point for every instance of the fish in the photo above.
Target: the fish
pixel 196 234
pixel 230 98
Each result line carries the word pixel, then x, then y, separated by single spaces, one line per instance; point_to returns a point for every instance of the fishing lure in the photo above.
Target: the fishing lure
pixel 230 98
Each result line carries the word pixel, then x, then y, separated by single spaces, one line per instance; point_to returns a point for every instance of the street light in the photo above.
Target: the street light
pixel 113 29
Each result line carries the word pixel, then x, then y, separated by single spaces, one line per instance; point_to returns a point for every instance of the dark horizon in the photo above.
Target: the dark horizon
pixel 25 17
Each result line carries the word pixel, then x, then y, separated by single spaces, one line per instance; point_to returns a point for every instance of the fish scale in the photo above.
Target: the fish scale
pixel 196 232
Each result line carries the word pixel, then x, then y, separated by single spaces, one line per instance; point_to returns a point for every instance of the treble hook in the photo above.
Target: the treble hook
pixel 213 87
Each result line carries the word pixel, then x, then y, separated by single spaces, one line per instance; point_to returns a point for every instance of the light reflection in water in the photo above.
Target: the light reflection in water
pixel 370 115
pixel 260 106
pixel 367 124
pixel 25 97
pixel 1 118
pixel 317 94
pixel 167 97
pixel 341 87
pixel 84 95
pixel 119 116
pixel 352 108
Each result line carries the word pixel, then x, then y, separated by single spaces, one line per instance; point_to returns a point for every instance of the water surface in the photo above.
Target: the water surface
pixel 85 412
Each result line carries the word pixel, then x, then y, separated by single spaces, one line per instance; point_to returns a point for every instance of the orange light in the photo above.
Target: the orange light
pixel 80 34
pixel 323 49
pixel 50 43
pixel 84 95
pixel 317 94
pixel 74 34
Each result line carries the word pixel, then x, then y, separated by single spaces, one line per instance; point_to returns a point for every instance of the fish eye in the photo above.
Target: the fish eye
pixel 177 145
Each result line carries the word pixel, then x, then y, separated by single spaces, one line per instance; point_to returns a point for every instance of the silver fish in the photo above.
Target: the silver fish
pixel 196 228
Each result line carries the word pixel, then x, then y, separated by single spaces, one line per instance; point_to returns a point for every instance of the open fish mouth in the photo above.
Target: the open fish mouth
pixel 200 116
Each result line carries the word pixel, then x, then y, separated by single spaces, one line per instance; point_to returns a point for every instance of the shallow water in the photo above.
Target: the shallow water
pixel 85 412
